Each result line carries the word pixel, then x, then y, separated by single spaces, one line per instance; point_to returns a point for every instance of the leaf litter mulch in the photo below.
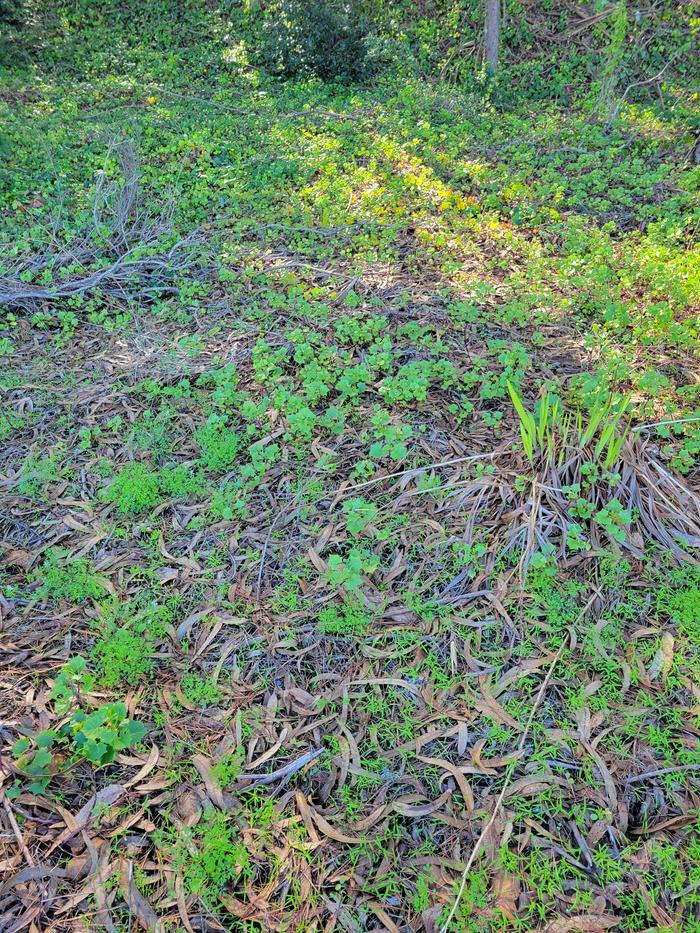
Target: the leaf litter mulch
pixel 418 712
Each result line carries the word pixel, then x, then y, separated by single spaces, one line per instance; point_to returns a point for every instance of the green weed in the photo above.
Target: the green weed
pixel 345 619
pixel 38 473
pixel 212 857
pixel 125 642
pixel 137 488
pixel 359 513
pixel 62 576
pixel 219 443
pixel 202 691
pixel 100 734
pixel 347 572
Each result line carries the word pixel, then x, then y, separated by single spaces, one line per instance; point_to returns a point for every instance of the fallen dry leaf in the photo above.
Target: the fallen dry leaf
pixel 505 890
pixel 582 923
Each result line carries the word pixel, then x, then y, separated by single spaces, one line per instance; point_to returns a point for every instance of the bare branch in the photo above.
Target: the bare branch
pixel 127 255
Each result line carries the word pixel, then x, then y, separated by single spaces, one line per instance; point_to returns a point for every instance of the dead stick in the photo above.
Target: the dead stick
pixel 15 828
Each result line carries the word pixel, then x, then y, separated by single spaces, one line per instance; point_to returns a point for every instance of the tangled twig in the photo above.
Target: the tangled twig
pixel 128 254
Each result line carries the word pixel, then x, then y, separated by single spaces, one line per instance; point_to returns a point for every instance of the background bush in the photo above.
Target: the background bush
pixel 543 54
pixel 332 40
pixel 11 12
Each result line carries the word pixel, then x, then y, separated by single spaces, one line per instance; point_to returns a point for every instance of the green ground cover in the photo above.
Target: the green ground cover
pixel 350 472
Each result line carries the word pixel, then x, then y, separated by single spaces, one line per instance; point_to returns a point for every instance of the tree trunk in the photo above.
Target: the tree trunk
pixel 492 31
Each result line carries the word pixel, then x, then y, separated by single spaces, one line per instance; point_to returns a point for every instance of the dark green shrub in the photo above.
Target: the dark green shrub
pixel 331 40
pixel 11 12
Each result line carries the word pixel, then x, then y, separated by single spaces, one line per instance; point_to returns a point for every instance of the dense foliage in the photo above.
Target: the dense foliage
pixel 330 40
